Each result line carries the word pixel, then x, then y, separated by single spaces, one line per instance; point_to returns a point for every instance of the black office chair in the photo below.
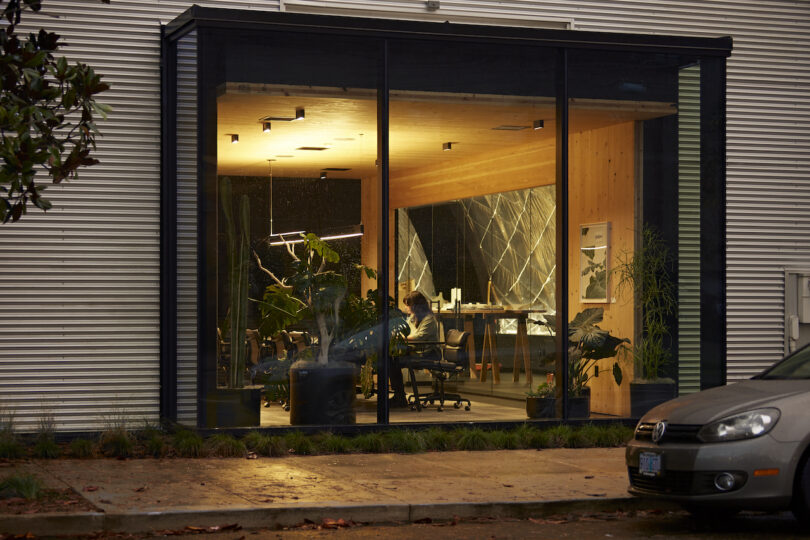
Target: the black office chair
pixel 453 362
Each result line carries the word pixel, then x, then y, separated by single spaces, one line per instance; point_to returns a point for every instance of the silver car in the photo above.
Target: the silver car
pixel 741 446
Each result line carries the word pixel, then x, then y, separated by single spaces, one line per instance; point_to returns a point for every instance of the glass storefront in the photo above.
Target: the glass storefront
pixel 391 223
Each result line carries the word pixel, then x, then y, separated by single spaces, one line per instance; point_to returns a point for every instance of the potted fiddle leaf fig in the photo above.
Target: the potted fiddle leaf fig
pixel 647 274
pixel 587 344
pixel 344 327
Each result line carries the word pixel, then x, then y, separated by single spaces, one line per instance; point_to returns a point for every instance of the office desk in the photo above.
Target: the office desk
pixel 489 350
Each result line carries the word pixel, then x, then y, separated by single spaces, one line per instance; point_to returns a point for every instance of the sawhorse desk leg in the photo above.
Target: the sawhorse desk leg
pixel 522 348
pixel 489 355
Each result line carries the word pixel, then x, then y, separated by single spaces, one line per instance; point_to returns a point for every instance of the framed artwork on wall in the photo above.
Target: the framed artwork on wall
pixel 594 246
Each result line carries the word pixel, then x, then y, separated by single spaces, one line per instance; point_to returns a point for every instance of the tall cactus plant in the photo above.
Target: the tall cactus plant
pixel 238 252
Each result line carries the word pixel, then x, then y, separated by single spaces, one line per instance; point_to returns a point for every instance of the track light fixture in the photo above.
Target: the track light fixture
pixel 299 113
pixel 447 146
pixel 266 127
pixel 323 175
pixel 234 138
pixel 538 124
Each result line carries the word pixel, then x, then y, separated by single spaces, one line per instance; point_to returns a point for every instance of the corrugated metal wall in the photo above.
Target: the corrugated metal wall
pixel 689 230
pixel 79 327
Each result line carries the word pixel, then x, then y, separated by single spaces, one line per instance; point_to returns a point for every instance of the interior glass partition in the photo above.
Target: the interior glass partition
pixel 473 208
pixel 634 222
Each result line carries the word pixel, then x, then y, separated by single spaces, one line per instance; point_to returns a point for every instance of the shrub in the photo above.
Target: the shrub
pixel 404 441
pixel 27 486
pixel 10 446
pixel 585 436
pixel 45 446
pixel 331 443
pixel 117 442
pixel 299 444
pixel 437 439
pixel 527 436
pixel 187 443
pixel 224 445
pixel 372 443
pixel 82 448
pixel 265 445
pixel 555 437
pixel 155 445
pixel 471 439
pixel 503 440
pixel 617 435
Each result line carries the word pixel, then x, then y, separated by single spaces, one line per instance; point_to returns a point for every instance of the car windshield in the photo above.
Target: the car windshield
pixel 794 366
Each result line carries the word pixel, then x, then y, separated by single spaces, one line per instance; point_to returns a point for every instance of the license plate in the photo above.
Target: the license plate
pixel 649 464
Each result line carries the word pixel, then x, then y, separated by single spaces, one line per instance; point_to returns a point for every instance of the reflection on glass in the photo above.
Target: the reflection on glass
pixel 472 187
pixel 626 162
pixel 291 240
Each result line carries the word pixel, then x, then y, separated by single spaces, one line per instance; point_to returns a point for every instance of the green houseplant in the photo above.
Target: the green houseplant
pixel 587 344
pixel 647 274
pixel 345 326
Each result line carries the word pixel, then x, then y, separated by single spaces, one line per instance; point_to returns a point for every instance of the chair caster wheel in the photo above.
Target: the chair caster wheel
pixel 287 408
pixel 456 405
pixel 467 408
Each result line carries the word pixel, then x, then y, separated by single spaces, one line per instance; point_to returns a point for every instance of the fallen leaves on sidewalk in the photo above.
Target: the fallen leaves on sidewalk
pixel 191 529
pixel 326 523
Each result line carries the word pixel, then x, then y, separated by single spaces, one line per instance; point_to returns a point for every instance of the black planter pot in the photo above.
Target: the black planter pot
pixel 546 407
pixel 233 407
pixel 322 395
pixel 645 396
pixel 541 407
pixel 580 406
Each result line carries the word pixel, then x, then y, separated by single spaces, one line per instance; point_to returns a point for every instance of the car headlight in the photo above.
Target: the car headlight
pixel 745 425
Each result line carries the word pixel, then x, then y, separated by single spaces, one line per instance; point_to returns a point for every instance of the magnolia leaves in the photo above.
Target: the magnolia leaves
pixel 47 114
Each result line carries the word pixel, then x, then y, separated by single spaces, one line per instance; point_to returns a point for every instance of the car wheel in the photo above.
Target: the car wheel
pixel 800 505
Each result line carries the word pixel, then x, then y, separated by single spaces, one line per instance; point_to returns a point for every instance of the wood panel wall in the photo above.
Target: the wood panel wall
pixel 601 178
pixel 520 167
pixel 601 188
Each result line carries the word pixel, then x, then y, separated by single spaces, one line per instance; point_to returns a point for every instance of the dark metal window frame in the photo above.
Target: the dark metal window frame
pixel 212 24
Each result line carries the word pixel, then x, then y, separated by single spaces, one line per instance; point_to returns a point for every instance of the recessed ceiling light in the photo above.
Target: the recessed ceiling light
pixel 507 127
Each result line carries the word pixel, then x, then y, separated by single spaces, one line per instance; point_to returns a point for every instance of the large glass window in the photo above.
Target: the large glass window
pixel 528 252
pixel 473 200
pixel 633 217
pixel 296 153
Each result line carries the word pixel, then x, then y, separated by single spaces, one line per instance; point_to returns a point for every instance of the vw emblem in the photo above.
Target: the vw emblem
pixel 658 431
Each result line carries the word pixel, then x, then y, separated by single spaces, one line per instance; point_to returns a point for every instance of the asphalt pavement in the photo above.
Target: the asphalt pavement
pixel 142 495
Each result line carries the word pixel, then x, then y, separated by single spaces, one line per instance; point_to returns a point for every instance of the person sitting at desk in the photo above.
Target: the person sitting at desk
pixel 424 328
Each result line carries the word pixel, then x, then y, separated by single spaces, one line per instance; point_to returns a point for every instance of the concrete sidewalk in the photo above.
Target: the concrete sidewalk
pixel 156 494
